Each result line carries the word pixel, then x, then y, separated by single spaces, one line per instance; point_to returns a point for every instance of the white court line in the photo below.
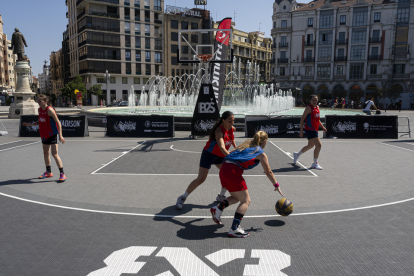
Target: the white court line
pixel 147 174
pixel 410 143
pixel 396 146
pixel 20 146
pixel 126 152
pixel 170 216
pixel 296 162
pixel 183 150
pixel 11 142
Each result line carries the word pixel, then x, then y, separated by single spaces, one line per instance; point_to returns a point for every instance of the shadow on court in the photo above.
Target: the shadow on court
pixel 293 168
pixel 25 181
pixel 274 223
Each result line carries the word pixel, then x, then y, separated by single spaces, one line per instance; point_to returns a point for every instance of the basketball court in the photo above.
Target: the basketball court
pixel 115 215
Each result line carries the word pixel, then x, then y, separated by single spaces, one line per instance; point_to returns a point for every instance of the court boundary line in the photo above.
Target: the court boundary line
pixel 383 143
pixel 184 150
pixel 124 153
pixel 153 174
pixel 20 146
pixel 315 175
pixel 11 142
pixel 179 216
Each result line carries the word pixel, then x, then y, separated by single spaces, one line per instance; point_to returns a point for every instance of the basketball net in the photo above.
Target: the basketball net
pixel 205 65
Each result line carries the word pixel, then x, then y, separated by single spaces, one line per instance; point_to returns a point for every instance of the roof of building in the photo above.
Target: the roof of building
pixel 338 4
pixel 280 1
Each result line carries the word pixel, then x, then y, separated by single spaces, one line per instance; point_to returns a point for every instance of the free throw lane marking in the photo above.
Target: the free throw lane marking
pixel 11 142
pixel 20 146
pixel 396 147
pixel 183 150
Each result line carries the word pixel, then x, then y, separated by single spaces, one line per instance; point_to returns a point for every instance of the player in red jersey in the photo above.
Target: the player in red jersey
pixel 221 138
pixel 49 129
pixel 311 120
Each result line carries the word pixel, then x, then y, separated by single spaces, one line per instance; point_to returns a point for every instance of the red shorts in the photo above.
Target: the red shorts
pixel 231 177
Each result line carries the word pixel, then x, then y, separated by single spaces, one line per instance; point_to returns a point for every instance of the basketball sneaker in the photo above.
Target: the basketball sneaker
pixel 220 198
pixel 316 166
pixel 216 214
pixel 295 157
pixel 180 202
pixel 62 177
pixel 238 233
pixel 46 175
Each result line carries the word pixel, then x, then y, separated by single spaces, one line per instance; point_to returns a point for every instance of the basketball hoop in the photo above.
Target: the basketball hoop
pixel 204 58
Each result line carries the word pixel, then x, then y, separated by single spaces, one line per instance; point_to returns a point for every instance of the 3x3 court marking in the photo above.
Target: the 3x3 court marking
pixel 311 173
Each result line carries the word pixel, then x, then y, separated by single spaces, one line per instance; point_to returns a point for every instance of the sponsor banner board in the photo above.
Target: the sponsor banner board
pixel 155 126
pixel 280 127
pixel 72 126
pixel 363 126
pixel 206 112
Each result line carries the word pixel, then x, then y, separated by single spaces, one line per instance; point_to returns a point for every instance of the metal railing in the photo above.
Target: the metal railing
pixel 404 128
pixel 376 39
pixel 375 57
pixel 282 60
pixel 310 43
pixel 283 45
pixel 341 41
pixel 308 59
pixel 344 58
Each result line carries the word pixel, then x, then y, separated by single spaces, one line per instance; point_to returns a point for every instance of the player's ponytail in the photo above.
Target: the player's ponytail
pixel 258 138
pixel 219 122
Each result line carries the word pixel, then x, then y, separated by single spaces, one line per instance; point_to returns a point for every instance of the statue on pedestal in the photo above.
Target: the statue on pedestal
pixel 17 44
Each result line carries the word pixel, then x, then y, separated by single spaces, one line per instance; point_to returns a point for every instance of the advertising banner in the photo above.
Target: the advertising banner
pixel 72 126
pixel 79 99
pixel 280 127
pixel 362 127
pixel 218 70
pixel 140 126
pixel 206 112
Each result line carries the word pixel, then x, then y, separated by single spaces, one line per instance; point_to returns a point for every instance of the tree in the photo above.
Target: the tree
pixel 378 94
pixel 69 89
pixel 306 93
pixel 356 94
pixel 96 90
pixel 393 93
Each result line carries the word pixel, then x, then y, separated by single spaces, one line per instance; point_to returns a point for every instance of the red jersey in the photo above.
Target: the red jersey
pixel 47 126
pixel 213 147
pixel 312 120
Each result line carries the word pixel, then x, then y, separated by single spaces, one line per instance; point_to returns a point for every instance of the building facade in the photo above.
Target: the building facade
pixel 175 19
pixel 7 61
pixel 123 37
pixel 45 84
pixel 345 45
pixel 57 72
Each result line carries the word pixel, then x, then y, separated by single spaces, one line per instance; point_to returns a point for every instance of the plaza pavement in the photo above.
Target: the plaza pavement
pixel 115 215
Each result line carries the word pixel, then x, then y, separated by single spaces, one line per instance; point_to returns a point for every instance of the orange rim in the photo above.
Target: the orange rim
pixel 205 57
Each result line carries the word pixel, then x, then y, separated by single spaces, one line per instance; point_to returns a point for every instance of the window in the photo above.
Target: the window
pixel 373 69
pixel 324 54
pixel 274 24
pixel 399 69
pixel 145 80
pixel 376 35
pixel 128 54
pixel 360 17
pixel 137 80
pixel 147 43
pixel 174 36
pixel 138 56
pixel 341 38
pixel 282 54
pixel 127 41
pixel 282 71
pixel 358 52
pixel 194 26
pixel 147 29
pixel 148 69
pixel 308 54
pixel 158 57
pixel 138 69
pixel 308 70
pixel 326 19
pixel 309 39
pixel 124 80
pixel 157 5
pixel 377 17
pixel 147 56
pixel 359 36
pixel 174 48
pixel 374 51
pixel 174 61
pixel 184 25
pixel 127 27
pixel 342 20
pixel 325 37
pixel 194 38
pixel 137 15
pixel 341 52
pixel 356 71
pixel 137 42
pixel 284 23
pixel 403 15
pixel 340 70
pixel 324 71
pixel 100 80
pixel 158 44
pixel 146 3
pixel 310 22
pixel 137 28
pixel 174 24
pixel 127 13
pixel 112 80
pixel 184 49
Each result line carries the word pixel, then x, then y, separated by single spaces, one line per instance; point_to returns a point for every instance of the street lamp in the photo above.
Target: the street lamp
pixel 107 77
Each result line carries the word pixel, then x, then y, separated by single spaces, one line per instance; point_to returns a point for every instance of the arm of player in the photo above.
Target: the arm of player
pixel 268 171
pixel 220 141
pixel 32 124
pixel 323 127
pixel 51 112
pixel 302 120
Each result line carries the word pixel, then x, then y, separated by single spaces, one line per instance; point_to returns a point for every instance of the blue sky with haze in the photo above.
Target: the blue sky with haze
pixel 43 22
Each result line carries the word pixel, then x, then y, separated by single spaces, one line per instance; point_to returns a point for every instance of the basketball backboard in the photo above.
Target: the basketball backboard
pixel 192 43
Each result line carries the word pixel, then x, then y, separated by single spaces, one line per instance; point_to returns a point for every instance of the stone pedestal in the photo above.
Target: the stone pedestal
pixel 23 103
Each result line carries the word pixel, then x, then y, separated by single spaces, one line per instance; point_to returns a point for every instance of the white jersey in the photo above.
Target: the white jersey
pixel 369 104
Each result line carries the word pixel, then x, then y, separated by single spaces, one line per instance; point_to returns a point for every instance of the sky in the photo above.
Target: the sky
pixel 43 22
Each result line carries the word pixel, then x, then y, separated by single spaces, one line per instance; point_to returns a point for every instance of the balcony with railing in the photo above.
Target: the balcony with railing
pixel 401 76
pixel 341 41
pixel 339 77
pixel 323 76
pixel 105 1
pixel 283 44
pixel 308 59
pixel 274 46
pixel 310 43
pixel 281 30
pixel 308 78
pixel 375 57
pixel 104 14
pixel 342 58
pixel 375 40
pixel 282 60
pixel 157 21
